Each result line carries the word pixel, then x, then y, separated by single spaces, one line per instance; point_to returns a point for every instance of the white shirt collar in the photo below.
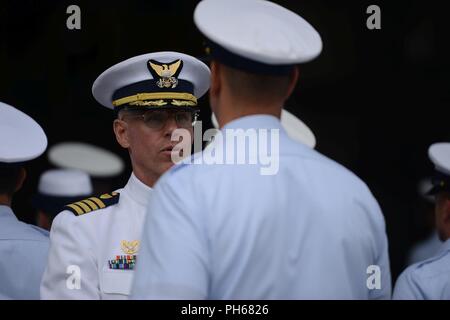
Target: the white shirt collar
pixel 137 190
pixel 255 121
pixel 7 212
pixel 445 246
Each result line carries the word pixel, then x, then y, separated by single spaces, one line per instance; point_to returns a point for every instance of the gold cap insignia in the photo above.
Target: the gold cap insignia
pixel 167 72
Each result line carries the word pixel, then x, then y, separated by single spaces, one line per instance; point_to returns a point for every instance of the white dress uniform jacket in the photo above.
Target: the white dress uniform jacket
pixel 84 248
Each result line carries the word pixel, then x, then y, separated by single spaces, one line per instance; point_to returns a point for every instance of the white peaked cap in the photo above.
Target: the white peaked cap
pixel 91 159
pixel 21 138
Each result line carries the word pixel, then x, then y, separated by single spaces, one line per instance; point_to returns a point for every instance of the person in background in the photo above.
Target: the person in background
pixel 102 165
pixel 23 247
pixel 428 247
pixel 56 188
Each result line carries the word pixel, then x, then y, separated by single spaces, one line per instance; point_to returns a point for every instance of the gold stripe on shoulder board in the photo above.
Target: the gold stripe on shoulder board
pixel 91 204
pixel 99 202
pixel 76 208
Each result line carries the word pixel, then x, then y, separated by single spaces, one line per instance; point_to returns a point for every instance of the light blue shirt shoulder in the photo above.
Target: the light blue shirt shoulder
pixel 429 279
pixel 288 149
pixel 425 249
pixel 26 248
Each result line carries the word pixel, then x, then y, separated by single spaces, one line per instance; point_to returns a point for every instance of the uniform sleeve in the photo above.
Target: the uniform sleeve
pixel 406 287
pixel 383 262
pixel 173 260
pixel 381 258
pixel 71 271
pixel 33 275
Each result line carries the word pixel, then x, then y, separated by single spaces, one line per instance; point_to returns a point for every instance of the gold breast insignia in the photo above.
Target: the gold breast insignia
pixel 129 247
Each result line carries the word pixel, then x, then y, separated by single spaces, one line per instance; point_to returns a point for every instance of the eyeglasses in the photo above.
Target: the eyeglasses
pixel 156 119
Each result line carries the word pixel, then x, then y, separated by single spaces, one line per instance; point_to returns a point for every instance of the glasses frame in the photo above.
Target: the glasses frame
pixel 142 113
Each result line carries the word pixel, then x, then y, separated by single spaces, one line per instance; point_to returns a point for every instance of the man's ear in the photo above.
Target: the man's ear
pixel 293 78
pixel 20 179
pixel 216 84
pixel 120 128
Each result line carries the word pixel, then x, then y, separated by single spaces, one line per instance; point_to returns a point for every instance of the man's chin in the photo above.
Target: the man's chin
pixel 176 157
pixel 166 165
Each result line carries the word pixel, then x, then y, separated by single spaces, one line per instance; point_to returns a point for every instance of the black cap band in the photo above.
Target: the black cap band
pixel 440 182
pixel 238 62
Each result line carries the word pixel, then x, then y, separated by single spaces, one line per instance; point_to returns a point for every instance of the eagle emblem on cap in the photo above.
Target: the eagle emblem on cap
pixel 166 72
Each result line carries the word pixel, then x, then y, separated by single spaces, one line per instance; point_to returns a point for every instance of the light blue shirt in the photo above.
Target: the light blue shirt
pixel 227 232
pixel 425 249
pixel 429 279
pixel 23 252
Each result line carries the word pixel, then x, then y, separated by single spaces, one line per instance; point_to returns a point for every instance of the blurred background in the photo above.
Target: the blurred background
pixel 375 99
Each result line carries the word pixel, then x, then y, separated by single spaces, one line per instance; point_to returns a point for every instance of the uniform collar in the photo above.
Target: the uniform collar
pixel 445 246
pixel 137 190
pixel 256 121
pixel 6 211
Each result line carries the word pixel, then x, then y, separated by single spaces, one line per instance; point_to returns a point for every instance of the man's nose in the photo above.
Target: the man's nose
pixel 170 125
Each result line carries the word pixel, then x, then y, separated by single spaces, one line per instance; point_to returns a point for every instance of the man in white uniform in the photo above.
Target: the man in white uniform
pixel 95 242
pixel 309 230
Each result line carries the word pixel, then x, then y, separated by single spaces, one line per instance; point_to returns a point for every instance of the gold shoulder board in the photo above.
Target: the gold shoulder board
pixel 94 203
